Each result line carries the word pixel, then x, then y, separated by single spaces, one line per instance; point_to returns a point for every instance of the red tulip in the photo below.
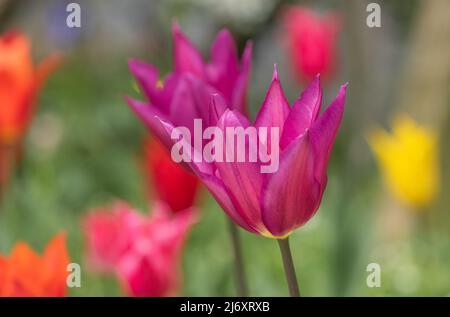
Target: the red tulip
pixel 312 42
pixel 173 184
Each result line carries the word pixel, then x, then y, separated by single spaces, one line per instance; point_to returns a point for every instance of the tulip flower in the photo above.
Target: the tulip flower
pixel 173 184
pixel 20 83
pixel 273 205
pixel 26 273
pixel 143 252
pixel 311 41
pixel 109 233
pixel 408 154
pixel 185 94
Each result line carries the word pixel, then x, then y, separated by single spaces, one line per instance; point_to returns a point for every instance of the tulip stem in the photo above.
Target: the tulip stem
pixel 239 272
pixel 289 268
pixel 7 157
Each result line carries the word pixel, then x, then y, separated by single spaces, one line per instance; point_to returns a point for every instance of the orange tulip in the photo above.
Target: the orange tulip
pixel 26 273
pixel 20 82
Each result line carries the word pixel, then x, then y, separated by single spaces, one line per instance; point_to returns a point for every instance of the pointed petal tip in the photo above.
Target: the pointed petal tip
pixel 248 50
pixel 316 81
pixel 175 27
pixel 128 99
pixel 343 91
pixel 275 72
pixel 133 63
pixel 344 87
pixel 224 32
pixel 133 103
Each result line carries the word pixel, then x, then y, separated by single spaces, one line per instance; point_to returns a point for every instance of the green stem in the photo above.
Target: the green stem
pixel 239 272
pixel 289 268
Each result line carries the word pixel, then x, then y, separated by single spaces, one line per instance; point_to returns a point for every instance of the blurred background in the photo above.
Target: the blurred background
pixel 84 144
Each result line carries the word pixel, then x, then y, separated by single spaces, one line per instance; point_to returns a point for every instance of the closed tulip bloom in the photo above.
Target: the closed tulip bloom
pixel 275 204
pixel 311 41
pixel 172 183
pixel 20 82
pixel 409 161
pixel 144 252
pixel 26 273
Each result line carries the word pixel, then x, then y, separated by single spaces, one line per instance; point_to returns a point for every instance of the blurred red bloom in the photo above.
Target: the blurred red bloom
pixel 144 252
pixel 109 232
pixel 25 273
pixel 311 40
pixel 173 184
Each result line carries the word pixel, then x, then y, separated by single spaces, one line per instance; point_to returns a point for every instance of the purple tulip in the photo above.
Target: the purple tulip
pixel 186 93
pixel 275 204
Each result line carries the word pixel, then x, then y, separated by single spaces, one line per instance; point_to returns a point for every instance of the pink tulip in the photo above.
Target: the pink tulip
pixel 109 233
pixel 274 204
pixel 312 41
pixel 144 252
pixel 186 93
pixel 152 265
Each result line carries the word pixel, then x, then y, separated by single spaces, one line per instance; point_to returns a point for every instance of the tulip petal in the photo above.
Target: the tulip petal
pixel 147 77
pixel 303 113
pixel 217 107
pixel 56 259
pixel 197 167
pixel 186 57
pixel 242 180
pixel 291 195
pixel 224 67
pixel 150 116
pixel 222 196
pixel 275 107
pixel 46 68
pixel 323 133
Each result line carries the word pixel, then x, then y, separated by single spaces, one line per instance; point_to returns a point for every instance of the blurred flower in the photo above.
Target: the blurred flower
pixel 186 93
pixel 312 41
pixel 109 232
pixel 173 184
pixel 25 273
pixel 409 161
pixel 19 84
pixel 275 204
pixel 144 252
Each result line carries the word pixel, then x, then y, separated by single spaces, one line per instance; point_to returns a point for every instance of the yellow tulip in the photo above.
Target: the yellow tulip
pixel 409 161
